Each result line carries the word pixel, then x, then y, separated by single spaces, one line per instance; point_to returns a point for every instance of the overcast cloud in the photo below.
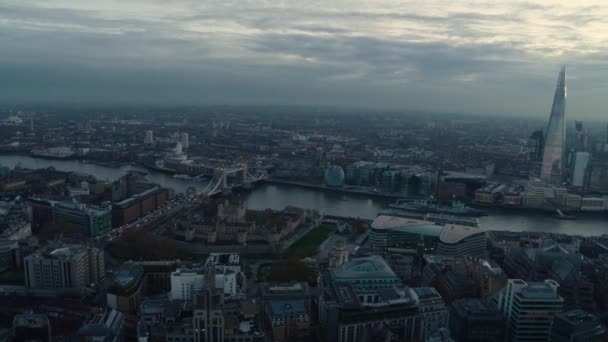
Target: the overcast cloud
pixel 477 56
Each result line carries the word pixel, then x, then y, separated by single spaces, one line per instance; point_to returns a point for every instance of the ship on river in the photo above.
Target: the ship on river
pixel 62 152
pixel 428 206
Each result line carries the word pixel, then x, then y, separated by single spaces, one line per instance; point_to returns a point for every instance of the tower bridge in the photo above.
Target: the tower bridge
pixel 244 178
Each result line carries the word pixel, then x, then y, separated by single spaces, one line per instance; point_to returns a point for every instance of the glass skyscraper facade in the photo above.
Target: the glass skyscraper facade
pixel 552 170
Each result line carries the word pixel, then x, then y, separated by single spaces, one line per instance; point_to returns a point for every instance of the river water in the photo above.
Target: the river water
pixel 278 196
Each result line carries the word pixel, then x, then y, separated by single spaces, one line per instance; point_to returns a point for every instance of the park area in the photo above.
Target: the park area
pixel 308 245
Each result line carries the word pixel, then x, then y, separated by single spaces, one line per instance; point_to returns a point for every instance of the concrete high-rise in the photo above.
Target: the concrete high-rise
pixel 64 267
pixel 579 173
pixel 149 138
pixel 529 308
pixel 552 169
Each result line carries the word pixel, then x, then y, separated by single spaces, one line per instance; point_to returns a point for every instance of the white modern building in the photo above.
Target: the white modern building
pixel 581 163
pixel 448 239
pixel 457 240
pixel 186 282
pixel 149 138
pixel 529 308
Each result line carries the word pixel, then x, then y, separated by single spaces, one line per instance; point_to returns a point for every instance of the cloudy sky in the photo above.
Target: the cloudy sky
pixel 469 56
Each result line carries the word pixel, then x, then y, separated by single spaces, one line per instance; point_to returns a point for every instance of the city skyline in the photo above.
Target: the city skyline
pixel 480 58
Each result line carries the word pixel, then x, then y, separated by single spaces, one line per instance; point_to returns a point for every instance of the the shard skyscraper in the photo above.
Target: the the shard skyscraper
pixel 552 169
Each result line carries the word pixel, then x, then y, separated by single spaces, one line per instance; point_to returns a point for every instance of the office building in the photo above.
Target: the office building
pixel 179 321
pixel 432 312
pixel 578 326
pixel 185 282
pixel 288 319
pixel 398 313
pixel 393 231
pixel 456 240
pixel 542 195
pixel 208 315
pixel 453 285
pixel 30 327
pixel 553 165
pixel 103 325
pixel 356 306
pixel 60 266
pixel 345 317
pixel 580 175
pixel 268 292
pixel 598 178
pixel 529 308
pixel 125 292
pixel 366 272
pixel 92 222
pixel 149 138
pixel 476 320
pixel 554 262
pixel 442 237
pixel 138 205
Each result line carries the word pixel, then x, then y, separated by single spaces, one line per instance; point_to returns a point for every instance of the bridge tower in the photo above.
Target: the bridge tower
pixel 244 173
pixel 224 179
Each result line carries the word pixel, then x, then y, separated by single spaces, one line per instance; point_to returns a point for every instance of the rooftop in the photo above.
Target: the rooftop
pixel 127 278
pixel 476 308
pixel 577 316
pixel 284 290
pixel 406 225
pixel 285 308
pixel 538 290
pixel 367 267
pixel 30 320
pixel 424 293
pixel 389 221
pixel 59 250
pixel 453 233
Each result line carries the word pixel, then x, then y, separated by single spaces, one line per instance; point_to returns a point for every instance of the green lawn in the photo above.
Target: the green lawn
pixel 308 245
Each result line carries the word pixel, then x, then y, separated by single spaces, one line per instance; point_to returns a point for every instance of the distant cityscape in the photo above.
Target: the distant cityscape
pixel 142 225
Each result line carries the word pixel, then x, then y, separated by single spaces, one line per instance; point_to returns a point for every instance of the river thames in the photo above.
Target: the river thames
pixel 278 196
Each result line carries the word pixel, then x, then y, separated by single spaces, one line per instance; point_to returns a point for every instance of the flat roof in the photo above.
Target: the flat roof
pixel 368 267
pixel 477 308
pixel 282 308
pixel 389 221
pixel 427 293
pixel 406 225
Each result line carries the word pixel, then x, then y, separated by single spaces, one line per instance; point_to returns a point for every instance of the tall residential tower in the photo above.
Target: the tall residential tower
pixel 552 169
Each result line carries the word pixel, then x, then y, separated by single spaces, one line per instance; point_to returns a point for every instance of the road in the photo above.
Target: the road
pixel 145 221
